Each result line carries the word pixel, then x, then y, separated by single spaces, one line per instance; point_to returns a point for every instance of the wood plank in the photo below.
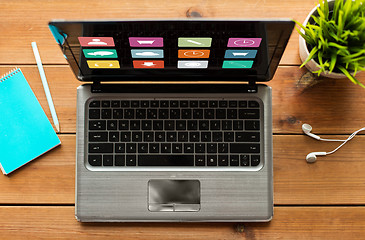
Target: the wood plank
pixel 331 107
pixel 288 223
pixel 335 179
pixel 26 21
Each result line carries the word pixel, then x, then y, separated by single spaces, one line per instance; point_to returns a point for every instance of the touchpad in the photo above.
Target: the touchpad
pixel 165 195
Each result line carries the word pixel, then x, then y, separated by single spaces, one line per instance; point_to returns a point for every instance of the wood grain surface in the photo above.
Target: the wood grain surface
pixel 325 200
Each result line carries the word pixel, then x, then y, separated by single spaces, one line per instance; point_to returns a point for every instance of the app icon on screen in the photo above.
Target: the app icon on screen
pixel 100 53
pixel 240 54
pixel 103 64
pixel 237 64
pixel 192 64
pixel 193 53
pixel 148 64
pixel 96 41
pixel 147 53
pixel 146 41
pixel 194 42
pixel 244 42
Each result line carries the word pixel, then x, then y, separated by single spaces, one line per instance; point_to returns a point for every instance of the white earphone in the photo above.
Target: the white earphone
pixel 312 157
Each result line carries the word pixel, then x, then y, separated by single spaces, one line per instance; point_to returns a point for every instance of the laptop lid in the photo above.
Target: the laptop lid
pixel 165 50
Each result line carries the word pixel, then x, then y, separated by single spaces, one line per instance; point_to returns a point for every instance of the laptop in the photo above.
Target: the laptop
pixel 174 122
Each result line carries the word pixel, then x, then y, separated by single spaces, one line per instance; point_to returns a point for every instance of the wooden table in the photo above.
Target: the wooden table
pixel 325 200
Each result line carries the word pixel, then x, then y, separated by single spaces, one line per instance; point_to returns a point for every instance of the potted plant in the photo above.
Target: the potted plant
pixel 332 39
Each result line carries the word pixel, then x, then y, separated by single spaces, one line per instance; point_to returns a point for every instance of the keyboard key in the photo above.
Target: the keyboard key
pixel 151 113
pixel 142 147
pixel 249 113
pixel 141 113
pixel 238 125
pixel 176 148
pixel 166 160
pixel 146 125
pixel 119 160
pixel 199 147
pixel 182 136
pixel 112 125
pixel 100 147
pixel 145 104
pixel 169 125
pixel 128 113
pixel 155 104
pixel 166 148
pixel 105 103
pixel 221 114
pixel 123 125
pixel 186 113
pixel 157 125
pixel 222 160
pixel 136 136
pixel 159 136
pixel 115 104
pixel 234 160
pixel 131 147
pixel 94 113
pixel 227 125
pixel 217 137
pixel 242 104
pixel 222 147
pixel 154 148
pixel 148 136
pixel 98 136
pixel 252 125
pixel 215 125
pixel 247 137
pixel 135 104
pixel 188 147
pixel 223 104
pixel 213 104
pixel 203 104
pixel 125 136
pixel 253 104
pixel 206 136
pixel 212 148
pixel 108 160
pixel 245 160
pixel 192 124
pixel 164 104
pixel 125 104
pixel 194 104
pixel 163 113
pixel 131 160
pixel 255 160
pixel 208 113
pixel 113 136
pixel 106 113
pixel 94 160
pixel 171 136
pixel 199 160
pixel 194 136
pixel 180 125
pixel 135 125
pixel 120 147
pixel 212 160
pixel 244 148
pixel 233 104
pixel 197 113
pixel 228 136
pixel 174 103
pixel 94 104
pixel 231 113
pixel 203 125
pixel 184 104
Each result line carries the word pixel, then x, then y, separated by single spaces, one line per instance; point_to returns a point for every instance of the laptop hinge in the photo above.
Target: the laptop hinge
pixel 252 87
pixel 96 87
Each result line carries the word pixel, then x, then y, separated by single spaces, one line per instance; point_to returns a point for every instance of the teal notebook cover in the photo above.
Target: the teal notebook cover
pixel 25 131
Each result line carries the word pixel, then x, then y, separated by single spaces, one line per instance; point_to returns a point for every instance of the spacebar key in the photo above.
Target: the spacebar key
pixel 165 160
pixel 245 148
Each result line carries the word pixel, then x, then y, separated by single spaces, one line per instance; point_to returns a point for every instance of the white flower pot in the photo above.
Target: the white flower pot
pixel 304 53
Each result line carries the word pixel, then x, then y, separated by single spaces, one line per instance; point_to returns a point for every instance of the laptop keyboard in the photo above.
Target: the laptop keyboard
pixel 173 133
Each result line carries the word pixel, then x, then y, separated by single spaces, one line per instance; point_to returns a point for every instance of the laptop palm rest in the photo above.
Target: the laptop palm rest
pixel 165 195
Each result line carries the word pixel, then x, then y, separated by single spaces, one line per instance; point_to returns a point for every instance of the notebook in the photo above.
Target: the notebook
pixel 25 131
pixel 197 149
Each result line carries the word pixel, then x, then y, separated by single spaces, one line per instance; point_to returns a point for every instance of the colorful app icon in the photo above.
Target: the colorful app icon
pixel 146 41
pixel 96 41
pixel 148 64
pixel 193 53
pixel 237 64
pixel 103 64
pixel 194 42
pixel 147 53
pixel 244 42
pixel 100 53
pixel 192 64
pixel 240 54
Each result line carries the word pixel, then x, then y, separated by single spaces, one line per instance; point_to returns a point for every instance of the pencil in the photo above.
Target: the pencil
pixel 45 86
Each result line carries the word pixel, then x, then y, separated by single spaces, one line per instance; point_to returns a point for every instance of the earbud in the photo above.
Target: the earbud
pixel 312 157
pixel 307 130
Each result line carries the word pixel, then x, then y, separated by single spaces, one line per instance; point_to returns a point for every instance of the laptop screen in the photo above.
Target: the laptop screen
pixel 189 50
